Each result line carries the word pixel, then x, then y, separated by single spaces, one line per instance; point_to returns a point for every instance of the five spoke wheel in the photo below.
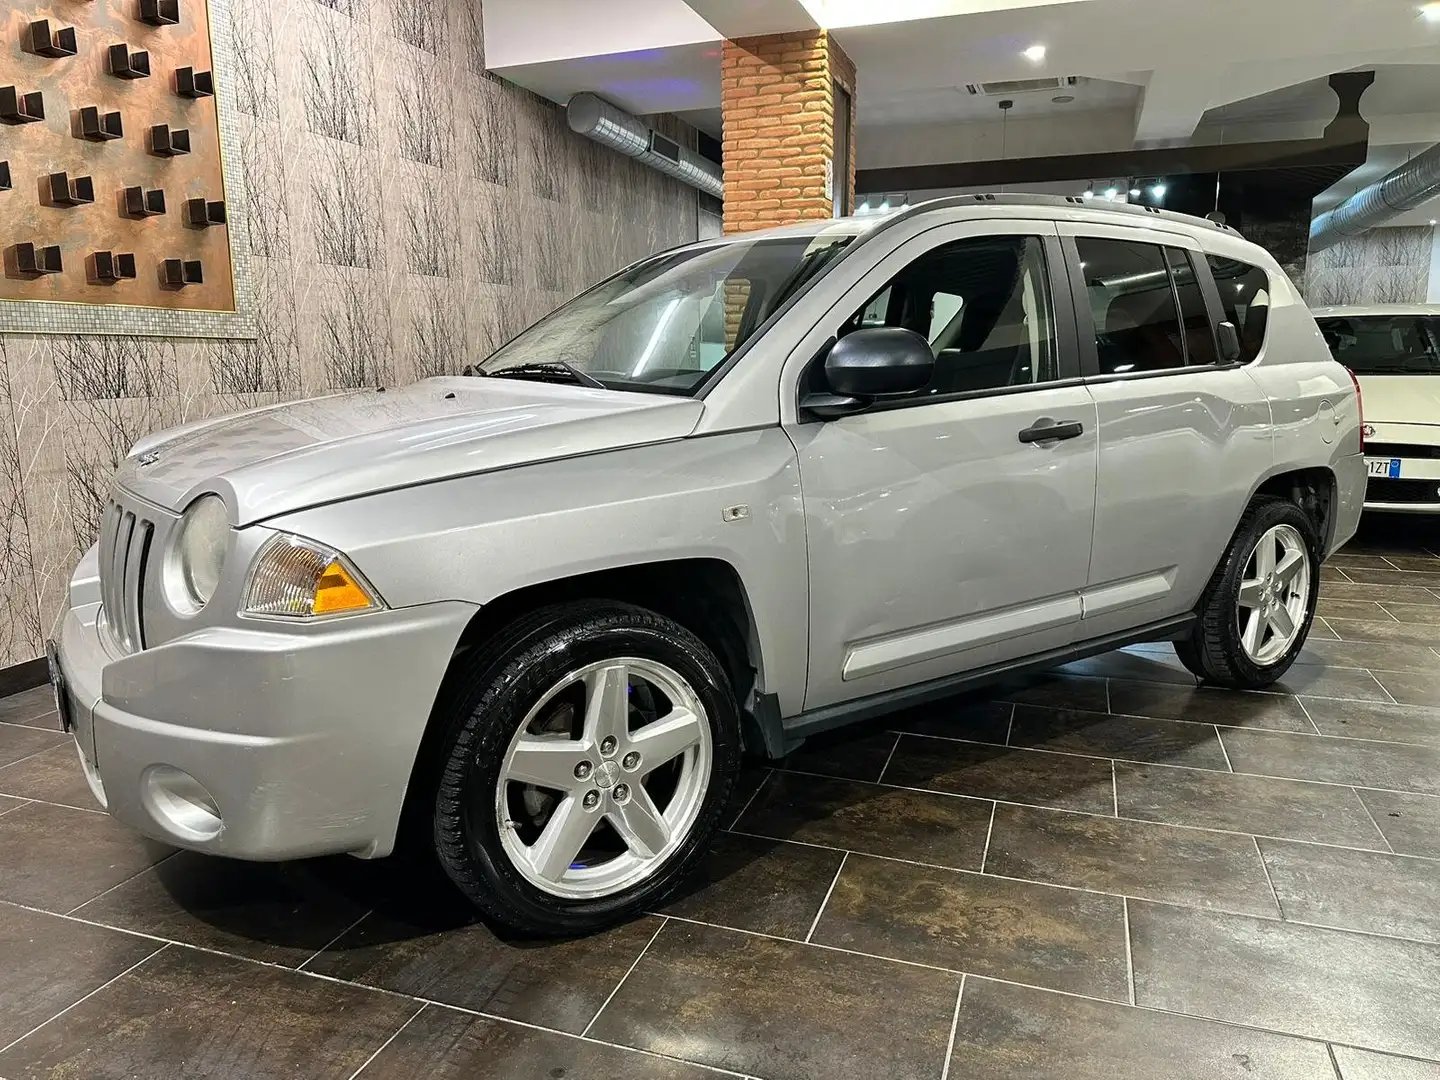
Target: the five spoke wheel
pixel 604 778
pixel 1274 593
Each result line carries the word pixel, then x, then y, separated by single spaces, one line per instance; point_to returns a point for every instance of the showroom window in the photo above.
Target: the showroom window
pixel 1137 325
pixel 1245 297
pixel 984 306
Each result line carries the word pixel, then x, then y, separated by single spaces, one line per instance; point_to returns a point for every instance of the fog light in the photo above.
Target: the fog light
pixel 180 803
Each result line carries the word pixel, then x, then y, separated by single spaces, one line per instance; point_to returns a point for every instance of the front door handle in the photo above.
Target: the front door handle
pixel 1047 430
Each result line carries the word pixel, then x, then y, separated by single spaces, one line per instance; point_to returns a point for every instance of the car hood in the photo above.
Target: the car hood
pixel 287 457
pixel 1401 399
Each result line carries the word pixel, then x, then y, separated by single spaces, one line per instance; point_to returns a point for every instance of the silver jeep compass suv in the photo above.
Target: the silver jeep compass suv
pixel 737 494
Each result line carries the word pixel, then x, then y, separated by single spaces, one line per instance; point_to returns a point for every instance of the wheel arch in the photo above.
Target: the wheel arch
pixel 1314 489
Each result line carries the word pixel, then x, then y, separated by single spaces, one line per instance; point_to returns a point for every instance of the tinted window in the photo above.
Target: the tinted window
pixel 984 306
pixel 1137 327
pixel 1245 298
pixel 1199 337
pixel 1385 344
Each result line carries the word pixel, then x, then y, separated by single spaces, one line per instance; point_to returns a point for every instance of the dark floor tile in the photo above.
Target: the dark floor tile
pixel 1062 939
pixel 57 858
pixel 29 707
pixel 1400 578
pixel 1379 721
pixel 1366 654
pixel 1422 563
pixel 1324 680
pixel 926 827
pixel 1133 858
pixel 48 963
pixel 1131 738
pixel 7 803
pixel 1412 687
pixel 450 958
pixel 1389 631
pixel 1396 895
pixel 781 1010
pixel 1368 1065
pixel 185 1013
pixel 18 742
pixel 1326 608
pixel 52 775
pixel 998 772
pixel 956 718
pixel 1335 761
pixel 1056 691
pixel 1345 559
pixel 1207 705
pixel 1411 823
pixel 282 913
pixel 1414 613
pixel 1141 666
pixel 752 776
pixel 1320 630
pixel 442 1044
pixel 1008 1032
pixel 768 886
pixel 850 754
pixel 1322 813
pixel 1359 989
pixel 1382 594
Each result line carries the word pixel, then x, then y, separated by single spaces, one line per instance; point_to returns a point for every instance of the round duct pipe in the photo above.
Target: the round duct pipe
pixel 1413 183
pixel 611 126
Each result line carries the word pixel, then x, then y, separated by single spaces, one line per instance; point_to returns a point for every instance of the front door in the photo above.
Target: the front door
pixel 949 530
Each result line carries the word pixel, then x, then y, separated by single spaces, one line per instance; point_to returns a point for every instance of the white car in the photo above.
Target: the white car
pixel 1394 351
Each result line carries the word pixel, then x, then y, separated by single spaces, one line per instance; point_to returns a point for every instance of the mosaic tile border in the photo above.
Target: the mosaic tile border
pixel 37 317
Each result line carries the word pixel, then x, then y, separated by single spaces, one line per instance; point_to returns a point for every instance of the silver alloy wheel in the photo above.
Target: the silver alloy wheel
pixel 598 776
pixel 1274 594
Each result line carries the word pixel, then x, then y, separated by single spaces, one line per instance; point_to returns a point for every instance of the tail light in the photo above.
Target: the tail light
pixel 1360 405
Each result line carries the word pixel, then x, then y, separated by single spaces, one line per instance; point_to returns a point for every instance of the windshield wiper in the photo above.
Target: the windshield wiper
pixel 555 371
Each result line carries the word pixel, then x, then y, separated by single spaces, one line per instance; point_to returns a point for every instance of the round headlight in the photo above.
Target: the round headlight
pixel 199 553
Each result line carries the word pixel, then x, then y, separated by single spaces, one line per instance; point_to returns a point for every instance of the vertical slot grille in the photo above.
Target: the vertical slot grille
pixel 124 551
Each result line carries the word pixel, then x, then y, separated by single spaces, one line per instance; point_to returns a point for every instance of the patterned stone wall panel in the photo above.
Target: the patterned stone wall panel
pixel 20 629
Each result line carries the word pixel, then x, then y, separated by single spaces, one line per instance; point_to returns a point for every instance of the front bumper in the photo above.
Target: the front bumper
pixel 260 740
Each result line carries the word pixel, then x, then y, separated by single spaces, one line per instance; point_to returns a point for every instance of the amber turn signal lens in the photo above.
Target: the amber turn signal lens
pixel 337 591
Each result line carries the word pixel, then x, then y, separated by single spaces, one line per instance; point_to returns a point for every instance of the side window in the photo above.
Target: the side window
pixel 1137 326
pixel 984 306
pixel 1199 335
pixel 1245 296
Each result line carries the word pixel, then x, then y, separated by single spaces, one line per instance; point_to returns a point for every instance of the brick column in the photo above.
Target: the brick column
pixel 778 103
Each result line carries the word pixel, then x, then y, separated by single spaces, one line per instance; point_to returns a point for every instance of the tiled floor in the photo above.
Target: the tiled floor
pixel 1103 874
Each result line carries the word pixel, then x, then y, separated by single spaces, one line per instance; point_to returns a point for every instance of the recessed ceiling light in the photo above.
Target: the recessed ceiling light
pixel 1036 53
pixel 1134 193
pixel 1110 193
pixel 1430 12
pixel 1063 99
pixel 1158 191
pixel 1434 222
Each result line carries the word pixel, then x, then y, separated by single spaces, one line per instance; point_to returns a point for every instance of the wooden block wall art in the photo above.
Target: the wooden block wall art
pixel 110 114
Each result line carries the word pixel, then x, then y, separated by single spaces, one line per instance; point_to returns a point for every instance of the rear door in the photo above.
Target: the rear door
pixel 1182 436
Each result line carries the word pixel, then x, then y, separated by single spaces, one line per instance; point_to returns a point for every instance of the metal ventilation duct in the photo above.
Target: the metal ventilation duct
pixel 597 119
pixel 1413 183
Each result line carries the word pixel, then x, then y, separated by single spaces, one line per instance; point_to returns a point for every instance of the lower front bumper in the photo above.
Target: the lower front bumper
pixel 264 742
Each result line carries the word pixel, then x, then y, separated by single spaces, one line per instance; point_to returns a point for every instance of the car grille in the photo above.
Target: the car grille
pixel 1380 490
pixel 1401 450
pixel 125 540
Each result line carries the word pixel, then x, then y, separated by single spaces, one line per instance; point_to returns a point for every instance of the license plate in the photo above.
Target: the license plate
pixel 1386 467
pixel 57 683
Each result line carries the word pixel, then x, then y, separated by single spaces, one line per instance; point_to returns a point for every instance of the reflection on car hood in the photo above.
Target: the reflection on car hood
pixel 1401 399
pixel 288 457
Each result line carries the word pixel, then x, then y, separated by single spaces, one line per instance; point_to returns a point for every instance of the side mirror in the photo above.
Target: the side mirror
pixel 1229 339
pixel 884 361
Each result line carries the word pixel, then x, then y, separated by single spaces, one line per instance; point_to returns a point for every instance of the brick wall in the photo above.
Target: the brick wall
pixel 778 105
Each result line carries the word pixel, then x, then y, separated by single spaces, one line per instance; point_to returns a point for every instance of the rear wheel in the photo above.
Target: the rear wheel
pixel 587 763
pixel 1257 610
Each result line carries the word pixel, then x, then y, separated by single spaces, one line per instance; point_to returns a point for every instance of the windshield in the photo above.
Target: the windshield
pixel 1385 344
pixel 664 325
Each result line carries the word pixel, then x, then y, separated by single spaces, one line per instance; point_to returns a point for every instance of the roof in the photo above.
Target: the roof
pixel 1354 310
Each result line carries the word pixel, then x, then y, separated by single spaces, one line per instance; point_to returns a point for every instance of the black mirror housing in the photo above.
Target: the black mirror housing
pixel 1229 340
pixel 883 361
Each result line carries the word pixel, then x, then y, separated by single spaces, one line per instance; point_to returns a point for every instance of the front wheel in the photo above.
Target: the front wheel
pixel 588 762
pixel 1257 610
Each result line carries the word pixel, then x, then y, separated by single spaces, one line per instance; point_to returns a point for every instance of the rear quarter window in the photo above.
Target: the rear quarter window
pixel 1245 296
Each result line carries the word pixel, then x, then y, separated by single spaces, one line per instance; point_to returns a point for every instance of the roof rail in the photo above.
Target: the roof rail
pixel 947 201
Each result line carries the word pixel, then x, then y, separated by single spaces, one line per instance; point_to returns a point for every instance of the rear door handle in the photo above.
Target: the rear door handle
pixel 1047 430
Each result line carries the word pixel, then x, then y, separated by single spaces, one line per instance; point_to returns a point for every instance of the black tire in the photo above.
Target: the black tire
pixel 482 712
pixel 1213 652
